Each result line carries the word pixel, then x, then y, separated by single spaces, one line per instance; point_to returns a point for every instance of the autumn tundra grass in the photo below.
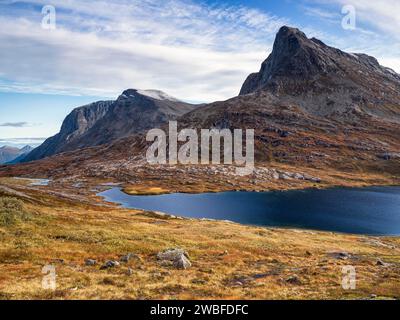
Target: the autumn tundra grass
pixel 228 261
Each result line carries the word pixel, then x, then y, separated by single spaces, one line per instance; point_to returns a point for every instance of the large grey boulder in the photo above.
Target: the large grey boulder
pixel 182 262
pixel 178 258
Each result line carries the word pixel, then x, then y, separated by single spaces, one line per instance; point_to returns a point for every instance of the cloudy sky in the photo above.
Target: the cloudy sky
pixel 197 51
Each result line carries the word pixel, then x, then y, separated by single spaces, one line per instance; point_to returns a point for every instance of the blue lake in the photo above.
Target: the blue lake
pixel 373 211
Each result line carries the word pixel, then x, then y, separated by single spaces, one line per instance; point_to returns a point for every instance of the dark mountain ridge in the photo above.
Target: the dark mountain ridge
pixel 135 111
pixel 106 121
pixel 324 80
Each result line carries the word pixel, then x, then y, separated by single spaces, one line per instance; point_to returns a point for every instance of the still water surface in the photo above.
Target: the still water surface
pixel 374 210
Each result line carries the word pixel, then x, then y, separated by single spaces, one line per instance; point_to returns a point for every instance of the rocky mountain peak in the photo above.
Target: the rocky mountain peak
pixel 152 94
pixel 26 149
pixel 324 79
pixel 294 56
pixel 128 93
pixel 288 34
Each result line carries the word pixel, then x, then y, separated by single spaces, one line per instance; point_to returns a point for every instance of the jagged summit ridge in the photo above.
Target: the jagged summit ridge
pixel 298 65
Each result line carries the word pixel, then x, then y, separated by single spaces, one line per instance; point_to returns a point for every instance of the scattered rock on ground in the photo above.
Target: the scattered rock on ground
pixel 129 272
pixel 109 264
pixel 284 176
pixel 340 255
pixel 275 175
pixel 90 262
pixel 199 281
pixel 378 243
pixel 379 262
pixel 389 156
pixel 293 280
pixel 60 261
pixel 126 258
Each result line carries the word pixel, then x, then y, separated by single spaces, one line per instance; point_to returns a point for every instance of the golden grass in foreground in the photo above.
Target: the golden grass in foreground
pixel 230 261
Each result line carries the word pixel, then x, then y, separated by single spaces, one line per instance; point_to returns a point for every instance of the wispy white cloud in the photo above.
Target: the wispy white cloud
pixel 377 29
pixel 15 124
pixel 330 16
pixel 192 51
pixel 382 14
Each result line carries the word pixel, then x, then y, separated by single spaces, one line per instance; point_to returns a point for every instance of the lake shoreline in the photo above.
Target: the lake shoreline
pixel 324 212
pixel 165 192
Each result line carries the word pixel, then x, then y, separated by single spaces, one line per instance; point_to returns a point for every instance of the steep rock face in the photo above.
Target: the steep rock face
pixel 79 121
pixel 325 80
pixel 293 57
pixel 135 111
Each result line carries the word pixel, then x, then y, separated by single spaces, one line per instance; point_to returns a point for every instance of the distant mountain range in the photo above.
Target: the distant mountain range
pixel 311 105
pixel 12 154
